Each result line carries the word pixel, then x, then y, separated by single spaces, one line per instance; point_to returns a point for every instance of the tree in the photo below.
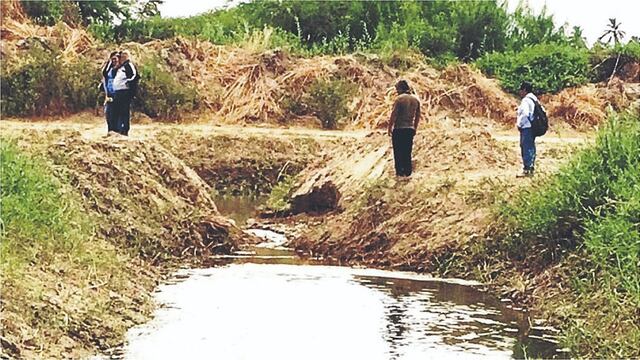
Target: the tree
pixel 577 38
pixel 87 12
pixel 613 32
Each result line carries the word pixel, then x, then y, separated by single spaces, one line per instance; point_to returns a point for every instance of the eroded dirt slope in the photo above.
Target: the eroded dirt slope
pixel 150 211
pixel 146 197
pixel 381 220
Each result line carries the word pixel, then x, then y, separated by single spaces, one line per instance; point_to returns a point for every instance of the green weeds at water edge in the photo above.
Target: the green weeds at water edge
pixel 591 207
pixel 281 194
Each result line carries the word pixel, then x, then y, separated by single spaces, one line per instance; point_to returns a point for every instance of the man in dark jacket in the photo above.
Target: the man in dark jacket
pixel 124 84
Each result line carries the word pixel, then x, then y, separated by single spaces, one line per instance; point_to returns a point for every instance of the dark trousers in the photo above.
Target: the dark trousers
pixel 402 140
pixel 110 115
pixel 528 148
pixel 122 104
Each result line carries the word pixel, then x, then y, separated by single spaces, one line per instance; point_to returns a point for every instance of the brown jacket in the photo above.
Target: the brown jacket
pixel 405 113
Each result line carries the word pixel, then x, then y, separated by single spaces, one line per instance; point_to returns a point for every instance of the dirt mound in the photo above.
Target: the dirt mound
pixel 384 221
pixel 246 86
pixel 586 106
pixel 146 198
pixel 415 224
pixel 251 85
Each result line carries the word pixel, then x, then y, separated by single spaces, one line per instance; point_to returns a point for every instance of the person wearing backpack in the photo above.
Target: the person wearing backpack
pixel 531 122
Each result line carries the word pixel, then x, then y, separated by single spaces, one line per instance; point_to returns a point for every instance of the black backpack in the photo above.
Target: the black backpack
pixel 540 122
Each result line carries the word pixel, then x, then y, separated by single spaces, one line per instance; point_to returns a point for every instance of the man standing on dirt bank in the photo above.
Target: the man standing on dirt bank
pixel 402 127
pixel 108 74
pixel 523 123
pixel 124 84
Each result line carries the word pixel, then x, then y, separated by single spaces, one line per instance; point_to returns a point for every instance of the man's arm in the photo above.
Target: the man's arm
pixel 130 72
pixel 392 118
pixel 524 112
pixel 416 119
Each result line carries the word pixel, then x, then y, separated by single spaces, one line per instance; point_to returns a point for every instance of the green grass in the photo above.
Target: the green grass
pixel 56 274
pixel 590 208
pixel 40 218
pixel 280 195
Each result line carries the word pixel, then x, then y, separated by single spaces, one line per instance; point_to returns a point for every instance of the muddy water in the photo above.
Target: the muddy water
pixel 264 303
pixel 239 208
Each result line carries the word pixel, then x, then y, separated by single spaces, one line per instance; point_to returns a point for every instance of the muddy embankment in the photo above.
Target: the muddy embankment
pixel 425 224
pixel 148 208
pixel 150 197
pixel 244 163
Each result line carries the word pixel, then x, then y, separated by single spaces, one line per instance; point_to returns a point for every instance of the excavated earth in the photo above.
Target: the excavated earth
pixel 363 215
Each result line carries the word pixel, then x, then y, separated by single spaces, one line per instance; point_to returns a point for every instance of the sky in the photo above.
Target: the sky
pixel 592 15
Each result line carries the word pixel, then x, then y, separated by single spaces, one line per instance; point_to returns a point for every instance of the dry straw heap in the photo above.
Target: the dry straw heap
pixel 249 83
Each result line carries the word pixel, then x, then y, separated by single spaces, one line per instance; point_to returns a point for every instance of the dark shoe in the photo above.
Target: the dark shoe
pixel 525 173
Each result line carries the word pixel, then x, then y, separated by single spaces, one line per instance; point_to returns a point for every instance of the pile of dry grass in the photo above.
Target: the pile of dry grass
pixel 249 84
pixel 11 10
pixel 72 42
pixel 586 106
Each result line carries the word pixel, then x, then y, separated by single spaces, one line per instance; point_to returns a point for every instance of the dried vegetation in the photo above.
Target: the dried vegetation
pixel 252 85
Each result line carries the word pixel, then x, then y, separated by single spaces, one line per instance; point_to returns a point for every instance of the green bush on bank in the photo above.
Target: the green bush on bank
pixel 550 67
pixel 591 206
pixel 329 100
pixel 597 192
pixel 44 84
pixel 160 95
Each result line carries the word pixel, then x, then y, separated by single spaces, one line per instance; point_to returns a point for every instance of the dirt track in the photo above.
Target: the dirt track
pixel 552 148
pixel 95 128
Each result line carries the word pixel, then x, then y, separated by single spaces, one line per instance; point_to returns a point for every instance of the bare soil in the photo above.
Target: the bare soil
pixel 425 223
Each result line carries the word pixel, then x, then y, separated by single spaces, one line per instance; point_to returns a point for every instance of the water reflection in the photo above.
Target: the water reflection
pixel 251 311
pixel 453 315
pixel 239 208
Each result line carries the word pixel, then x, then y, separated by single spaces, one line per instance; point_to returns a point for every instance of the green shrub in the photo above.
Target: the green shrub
pixel 589 215
pixel 281 195
pixel 39 219
pixel 329 99
pixel 592 202
pixel 160 95
pixel 44 84
pixel 550 67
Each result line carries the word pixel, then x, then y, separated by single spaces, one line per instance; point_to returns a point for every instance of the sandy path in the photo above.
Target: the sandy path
pixel 96 129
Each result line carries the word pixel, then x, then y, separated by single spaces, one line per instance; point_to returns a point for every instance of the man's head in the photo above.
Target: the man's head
pixel 402 87
pixel 114 58
pixel 124 55
pixel 525 88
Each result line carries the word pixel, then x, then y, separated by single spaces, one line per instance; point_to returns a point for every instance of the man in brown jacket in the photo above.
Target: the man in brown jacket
pixel 402 127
